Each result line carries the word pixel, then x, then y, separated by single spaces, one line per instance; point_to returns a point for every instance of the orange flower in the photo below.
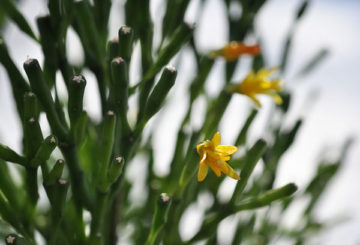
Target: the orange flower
pixel 234 49
pixel 214 155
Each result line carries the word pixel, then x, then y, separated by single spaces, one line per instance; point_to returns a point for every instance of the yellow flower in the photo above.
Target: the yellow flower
pixel 234 49
pixel 259 83
pixel 214 155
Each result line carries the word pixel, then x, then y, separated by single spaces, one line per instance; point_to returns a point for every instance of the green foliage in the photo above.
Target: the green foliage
pixel 97 155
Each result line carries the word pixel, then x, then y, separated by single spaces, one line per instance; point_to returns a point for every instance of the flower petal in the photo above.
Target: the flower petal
pixel 216 169
pixel 256 101
pixel 263 73
pixel 276 85
pixel 202 173
pixel 229 171
pixel 199 148
pixel 214 155
pixel 276 97
pixel 250 77
pixel 225 158
pixel 226 149
pixel 203 159
pixel 216 139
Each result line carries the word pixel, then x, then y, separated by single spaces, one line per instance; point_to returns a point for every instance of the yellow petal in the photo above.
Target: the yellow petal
pixel 275 84
pixel 214 155
pixel 202 173
pixel 225 158
pixel 199 149
pixel 216 169
pixel 256 101
pixel 265 85
pixel 216 139
pixel 265 73
pixel 262 73
pixel 276 97
pixel 229 171
pixel 250 76
pixel 272 70
pixel 226 149
pixel 203 159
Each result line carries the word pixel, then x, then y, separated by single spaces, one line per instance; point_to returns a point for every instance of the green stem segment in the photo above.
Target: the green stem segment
pixel 267 198
pixel 97 219
pixel 251 159
pixel 76 95
pixel 80 191
pixel 32 132
pixel 57 195
pixel 41 89
pixel 10 155
pixel 44 151
pixel 180 36
pixel 49 47
pixel 126 37
pixel 160 217
pixel 102 200
pixel 241 139
pixel 18 84
pixel 118 101
pixel 106 149
pixel 162 88
pixel 10 9
pixel 115 170
pixel 55 173
pixel 119 88
pixel 33 139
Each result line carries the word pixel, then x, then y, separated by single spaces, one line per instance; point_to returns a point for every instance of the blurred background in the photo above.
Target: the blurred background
pixel 328 97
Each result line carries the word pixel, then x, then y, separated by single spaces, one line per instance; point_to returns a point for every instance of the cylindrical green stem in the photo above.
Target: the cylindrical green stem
pixel 241 139
pixel 267 198
pixel 97 218
pixel 41 89
pixel 49 47
pixel 126 36
pixel 119 88
pixel 160 217
pixel 44 151
pixel 251 159
pixel 162 88
pixel 106 149
pixel 76 93
pixel 57 197
pixel 55 173
pixel 18 84
pixel 10 155
pixel 80 192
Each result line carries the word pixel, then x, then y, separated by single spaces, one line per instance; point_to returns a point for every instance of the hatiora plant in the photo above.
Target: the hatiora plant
pixel 86 197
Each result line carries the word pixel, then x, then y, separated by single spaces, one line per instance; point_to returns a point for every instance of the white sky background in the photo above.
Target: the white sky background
pixel 335 115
